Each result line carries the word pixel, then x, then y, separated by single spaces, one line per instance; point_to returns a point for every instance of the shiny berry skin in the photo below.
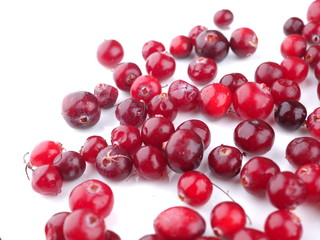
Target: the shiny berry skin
pixel 84 224
pixel 317 71
pixel 255 174
pixel 227 218
pixel 156 131
pixel 303 150
pixel 44 152
pixel 249 234
pixel 206 238
pixel 310 174
pixel 285 90
pixel 127 137
pixel 106 95
pixel 243 42
pixel 70 164
pixel 200 128
pixel 150 47
pixel 313 123
pixel 295 68
pixel 223 18
pixel 318 90
pixel 215 100
pixel 110 53
pixel 81 109
pixel 290 115
pixel 283 225
pixel 131 111
pixel 233 81
pixel 92 194
pixel 46 180
pixel 184 151
pixel 286 190
pixel 212 44
pixel 183 95
pixel 225 161
pixel 194 188
pixel 252 100
pixel 268 73
pixel 254 136
pixel 202 70
pixel 160 65
pixel 195 31
pixel 313 11
pixel 111 235
pixel 161 105
pixel 293 45
pixel 181 46
pixel 114 163
pixel 124 74
pixel 145 87
pixel 54 226
pixel 293 25
pixel 311 32
pixel 91 147
pixel 312 55
pixel 150 162
pixel 151 237
pixel 179 223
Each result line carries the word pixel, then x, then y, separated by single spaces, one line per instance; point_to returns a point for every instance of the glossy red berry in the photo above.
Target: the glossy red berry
pixel 150 47
pixel 310 174
pixel 106 95
pixel 243 42
pixel 313 11
pixel 285 90
pixel 111 235
pixel 313 123
pixel 91 147
pixel 160 65
pixel 124 74
pixel 295 68
pixel 44 152
pixel 311 32
pixel 181 46
pixel 249 234
pixel 268 73
pixel 54 226
pixel 317 71
pixel 233 81
pixel 161 105
pixel 223 18
pixel 312 55
pixel 179 223
pixel 202 70
pixel 293 45
pixel 293 25
pixel 110 53
pixel 194 32
pixel 145 87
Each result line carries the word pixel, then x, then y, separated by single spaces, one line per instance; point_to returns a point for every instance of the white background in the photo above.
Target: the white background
pixel 48 49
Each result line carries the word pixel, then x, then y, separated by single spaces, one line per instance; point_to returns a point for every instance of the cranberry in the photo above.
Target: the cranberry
pixel 161 105
pixel 70 164
pixel 206 238
pixel 215 100
pixel 313 12
pixel 225 161
pixel 317 71
pixel 111 235
pixel 293 25
pixel 223 18
pixel 145 87
pixel 124 74
pixel 254 136
pixel 46 180
pixel 311 32
pixel 227 218
pixel 81 109
pixel 255 174
pixel 318 90
pixel 179 223
pixel 286 190
pixel 114 163
pixel 200 128
pixel 151 237
pixel 312 55
pixel 181 46
pixel 310 174
pixel 253 100
pixel 293 45
pixel 184 150
pixel 243 42
pixel 283 224
pixel 150 47
pixel 249 234
pixel 106 95
pixel 92 194
pixel 92 146
pixel 131 111
pixel 110 53
pixel 233 81
pixel 295 68
pixel 160 65
pixel 268 73
pixel 84 223
pixel 290 115
pixel 44 152
pixel 194 32
pixel 202 70
pixel 183 95
pixel 313 123
pixel 285 90
pixel 150 162
pixel 303 150
pixel 194 188
pixel 212 44
pixel 54 226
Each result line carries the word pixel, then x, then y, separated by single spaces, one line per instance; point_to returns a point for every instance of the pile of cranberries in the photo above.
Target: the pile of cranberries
pixel 149 144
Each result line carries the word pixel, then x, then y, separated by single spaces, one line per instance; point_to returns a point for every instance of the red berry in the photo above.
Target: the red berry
pixel 293 25
pixel 151 47
pixel 313 12
pixel 202 70
pixel 111 235
pixel 110 53
pixel 194 32
pixel 311 32
pixel 310 174
pixel 161 105
pixel 293 45
pixel 54 226
pixel 223 18
pixel 145 87
pixel 295 69
pixel 268 73
pixel 249 234
pixel 92 146
pixel 160 65
pixel 106 95
pixel 45 152
pixel 312 55
pixel 313 123
pixel 317 71
pixel 124 74
pixel 285 90
pixel 243 42
pixel 181 46
pixel 233 81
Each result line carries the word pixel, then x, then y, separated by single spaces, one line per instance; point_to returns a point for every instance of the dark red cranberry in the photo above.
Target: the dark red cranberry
pixel 225 161
pixel 268 73
pixel 293 45
pixel 223 18
pixel 150 47
pixel 54 226
pixel 106 95
pixel 145 87
pixel 161 105
pixel 124 74
pixel 44 153
pixel 81 109
pixel 202 70
pixel 313 12
pixel 285 90
pixel 249 234
pixel 194 32
pixel 111 235
pixel 181 46
pixel 177 223
pixel 312 55
pixel 313 123
pixel 131 111
pixel 183 95
pixel 160 65
pixel 70 164
pixel 311 32
pixel 110 53
pixel 184 150
pixel 212 44
pixel 254 136
pixel 243 42
pixel 233 81
pixel 293 25
pixel 92 146
pixel 310 174
pixel 114 163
